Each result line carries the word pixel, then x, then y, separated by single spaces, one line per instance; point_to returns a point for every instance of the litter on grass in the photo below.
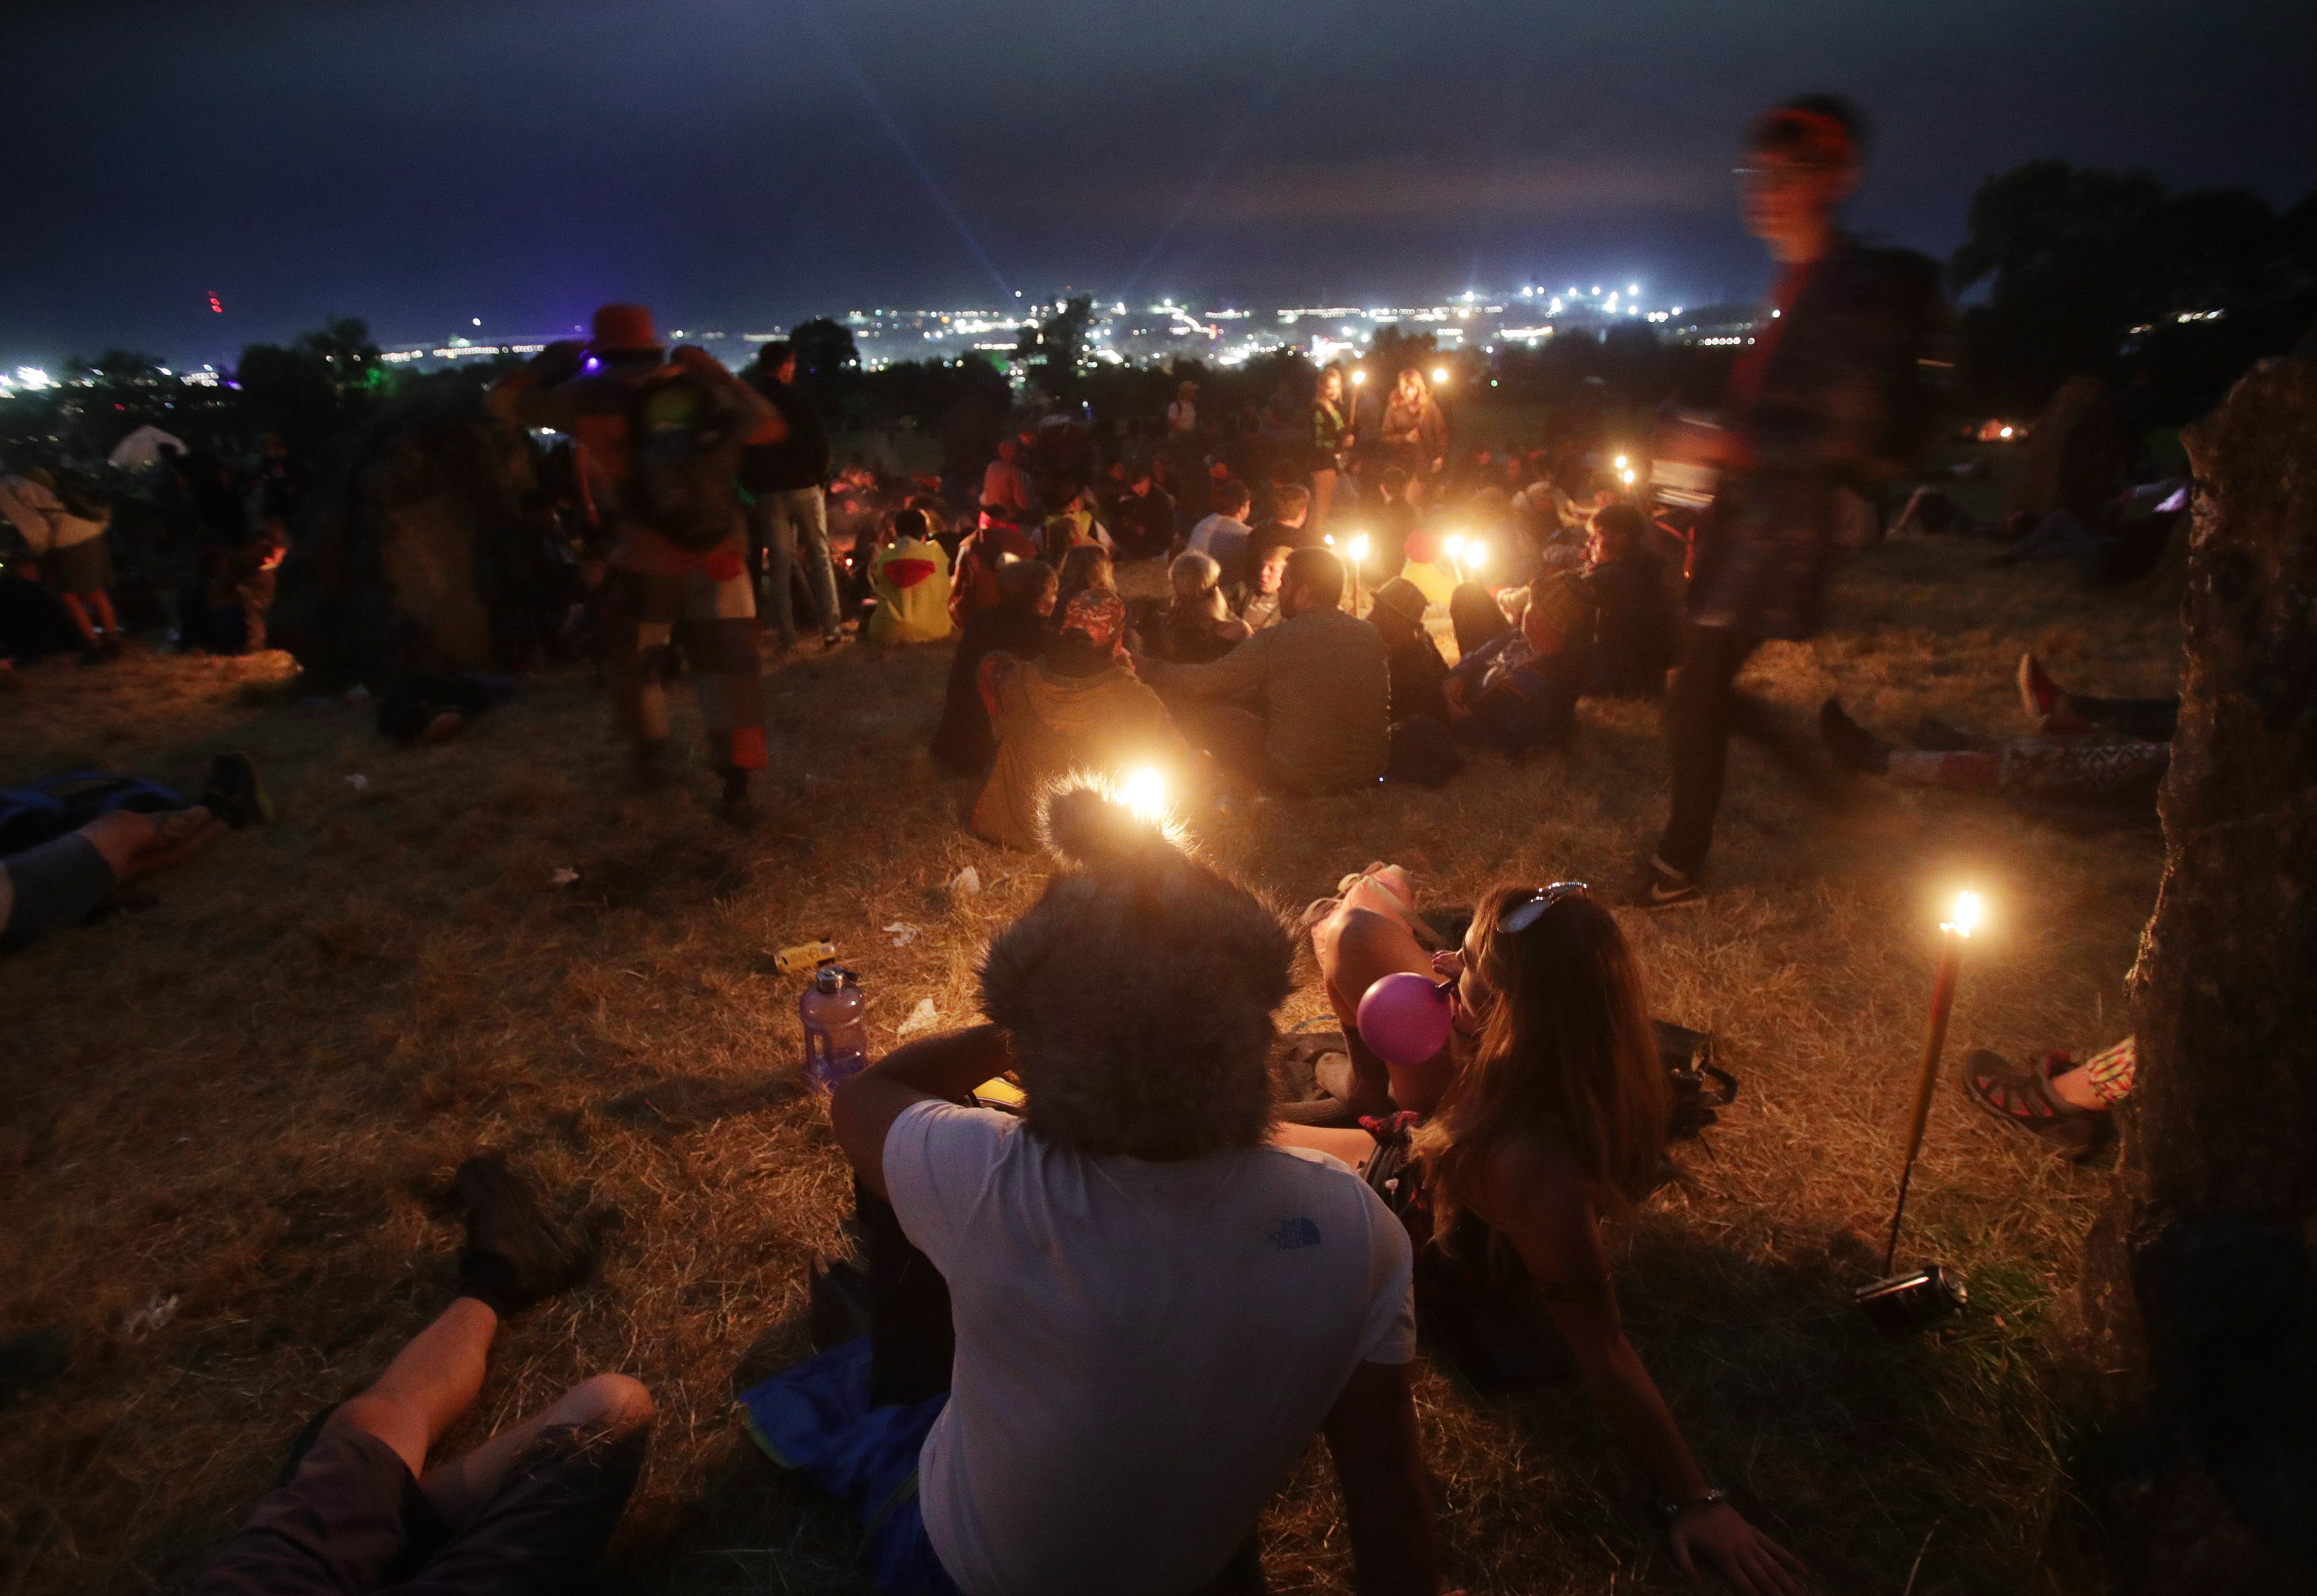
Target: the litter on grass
pixel 922 1018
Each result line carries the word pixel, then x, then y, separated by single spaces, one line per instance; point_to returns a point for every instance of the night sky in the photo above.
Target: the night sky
pixel 742 164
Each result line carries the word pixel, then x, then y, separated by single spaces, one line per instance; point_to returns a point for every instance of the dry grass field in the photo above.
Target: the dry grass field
pixel 232 1114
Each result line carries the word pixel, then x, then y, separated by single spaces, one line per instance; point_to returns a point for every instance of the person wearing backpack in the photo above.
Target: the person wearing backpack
pixel 1832 394
pixel 659 440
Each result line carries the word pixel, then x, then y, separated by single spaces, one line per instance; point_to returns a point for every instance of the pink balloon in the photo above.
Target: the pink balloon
pixel 1404 1017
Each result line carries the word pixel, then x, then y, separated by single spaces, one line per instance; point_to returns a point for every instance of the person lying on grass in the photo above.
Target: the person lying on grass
pixel 1156 1309
pixel 1546 1111
pixel 62 879
pixel 357 1509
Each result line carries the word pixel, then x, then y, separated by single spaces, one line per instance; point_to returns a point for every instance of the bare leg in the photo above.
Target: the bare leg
pixel 1355 949
pixel 79 613
pixel 102 601
pixel 609 1403
pixel 430 1383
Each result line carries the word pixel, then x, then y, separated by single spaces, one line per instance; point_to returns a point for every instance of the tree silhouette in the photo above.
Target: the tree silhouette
pixel 2103 273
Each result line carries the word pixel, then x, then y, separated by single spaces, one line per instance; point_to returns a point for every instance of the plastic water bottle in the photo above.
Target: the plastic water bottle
pixel 836 1041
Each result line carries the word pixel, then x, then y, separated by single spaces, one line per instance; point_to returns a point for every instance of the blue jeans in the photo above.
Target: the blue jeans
pixel 786 517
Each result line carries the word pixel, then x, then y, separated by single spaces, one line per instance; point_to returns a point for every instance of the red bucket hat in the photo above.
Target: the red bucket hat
pixel 623 329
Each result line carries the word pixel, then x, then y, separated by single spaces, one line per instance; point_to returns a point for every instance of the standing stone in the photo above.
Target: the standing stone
pixel 2218 1211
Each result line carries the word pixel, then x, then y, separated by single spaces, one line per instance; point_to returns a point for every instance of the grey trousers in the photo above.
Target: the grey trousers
pixel 786 519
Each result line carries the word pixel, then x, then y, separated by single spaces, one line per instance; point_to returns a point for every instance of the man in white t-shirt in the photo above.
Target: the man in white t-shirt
pixel 1222 537
pixel 1156 1310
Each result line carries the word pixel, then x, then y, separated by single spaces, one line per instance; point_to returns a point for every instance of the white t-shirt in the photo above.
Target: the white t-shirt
pixel 1202 539
pixel 1144 1350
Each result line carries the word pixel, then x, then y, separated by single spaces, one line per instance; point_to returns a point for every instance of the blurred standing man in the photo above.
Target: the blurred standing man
pixel 786 468
pixel 660 442
pixel 1832 393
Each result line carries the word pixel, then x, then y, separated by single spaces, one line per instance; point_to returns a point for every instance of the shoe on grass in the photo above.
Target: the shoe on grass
pixel 233 792
pixel 515 1256
pixel 2021 1096
pixel 1854 747
pixel 1662 887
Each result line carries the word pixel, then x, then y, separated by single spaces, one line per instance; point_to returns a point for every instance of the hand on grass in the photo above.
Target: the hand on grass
pixel 1754 1565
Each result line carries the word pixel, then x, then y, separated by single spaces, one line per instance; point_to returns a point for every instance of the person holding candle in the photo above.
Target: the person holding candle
pixel 1545 1115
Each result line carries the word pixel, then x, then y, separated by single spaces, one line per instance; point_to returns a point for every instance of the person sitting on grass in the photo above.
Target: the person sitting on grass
pixel 1545 1113
pixel 1423 747
pixel 1256 601
pixel 1077 707
pixel 1321 680
pixel 910 576
pixel 1222 536
pixel 1199 625
pixel 358 1509
pixel 1517 693
pixel 1632 629
pixel 1015 626
pixel 58 869
pixel 1155 1309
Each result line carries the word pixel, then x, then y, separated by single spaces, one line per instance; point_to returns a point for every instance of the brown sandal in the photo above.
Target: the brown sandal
pixel 2021 1096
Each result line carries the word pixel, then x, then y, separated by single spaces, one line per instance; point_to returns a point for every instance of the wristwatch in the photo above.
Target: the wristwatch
pixel 1670 1512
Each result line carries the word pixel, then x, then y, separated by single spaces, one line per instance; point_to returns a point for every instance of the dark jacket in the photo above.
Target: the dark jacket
pixel 1632 627
pixel 798 461
pixel 1417 672
pixel 964 741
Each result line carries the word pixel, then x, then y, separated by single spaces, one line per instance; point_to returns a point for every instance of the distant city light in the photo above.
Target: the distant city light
pixel 32 380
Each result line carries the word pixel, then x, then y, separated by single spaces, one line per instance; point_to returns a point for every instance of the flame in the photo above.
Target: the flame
pixel 1144 792
pixel 1968 913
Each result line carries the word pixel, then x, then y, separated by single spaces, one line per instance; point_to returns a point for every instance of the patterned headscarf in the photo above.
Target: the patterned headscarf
pixel 1096 618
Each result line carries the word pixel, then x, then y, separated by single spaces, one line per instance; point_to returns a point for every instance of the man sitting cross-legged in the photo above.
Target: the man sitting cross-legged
pixel 526 1513
pixel 1155 1310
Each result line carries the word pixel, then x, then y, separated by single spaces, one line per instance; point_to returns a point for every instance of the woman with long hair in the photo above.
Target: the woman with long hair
pixel 1545 1113
pixel 1332 441
pixel 1415 434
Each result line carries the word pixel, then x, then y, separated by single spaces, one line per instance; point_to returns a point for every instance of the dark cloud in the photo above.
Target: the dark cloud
pixel 751 161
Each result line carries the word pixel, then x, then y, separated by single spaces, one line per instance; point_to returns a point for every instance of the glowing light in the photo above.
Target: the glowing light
pixel 1439 373
pixel 1145 793
pixel 1633 287
pixel 1476 558
pixel 476 320
pixel 31 378
pixel 1621 463
pixel 1359 549
pixel 1453 546
pixel 1627 476
pixel 2003 431
pixel 1358 376
pixel 1968 913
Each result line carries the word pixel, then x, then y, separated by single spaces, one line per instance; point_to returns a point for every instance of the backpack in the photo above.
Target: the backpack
pixel 42 811
pixel 684 441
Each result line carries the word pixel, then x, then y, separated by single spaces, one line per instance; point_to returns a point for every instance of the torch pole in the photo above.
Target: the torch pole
pixel 1943 989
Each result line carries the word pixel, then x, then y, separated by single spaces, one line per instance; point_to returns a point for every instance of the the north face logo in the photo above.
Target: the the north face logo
pixel 1293 1233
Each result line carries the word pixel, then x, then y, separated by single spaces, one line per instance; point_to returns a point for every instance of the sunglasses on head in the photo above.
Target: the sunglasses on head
pixel 1531 909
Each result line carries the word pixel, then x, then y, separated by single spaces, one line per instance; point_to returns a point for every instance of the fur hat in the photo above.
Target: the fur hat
pixel 1139 991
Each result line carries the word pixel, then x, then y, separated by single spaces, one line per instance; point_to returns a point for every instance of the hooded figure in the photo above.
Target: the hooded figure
pixel 1076 709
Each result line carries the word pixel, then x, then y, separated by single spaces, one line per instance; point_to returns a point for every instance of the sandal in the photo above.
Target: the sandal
pixel 2021 1096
